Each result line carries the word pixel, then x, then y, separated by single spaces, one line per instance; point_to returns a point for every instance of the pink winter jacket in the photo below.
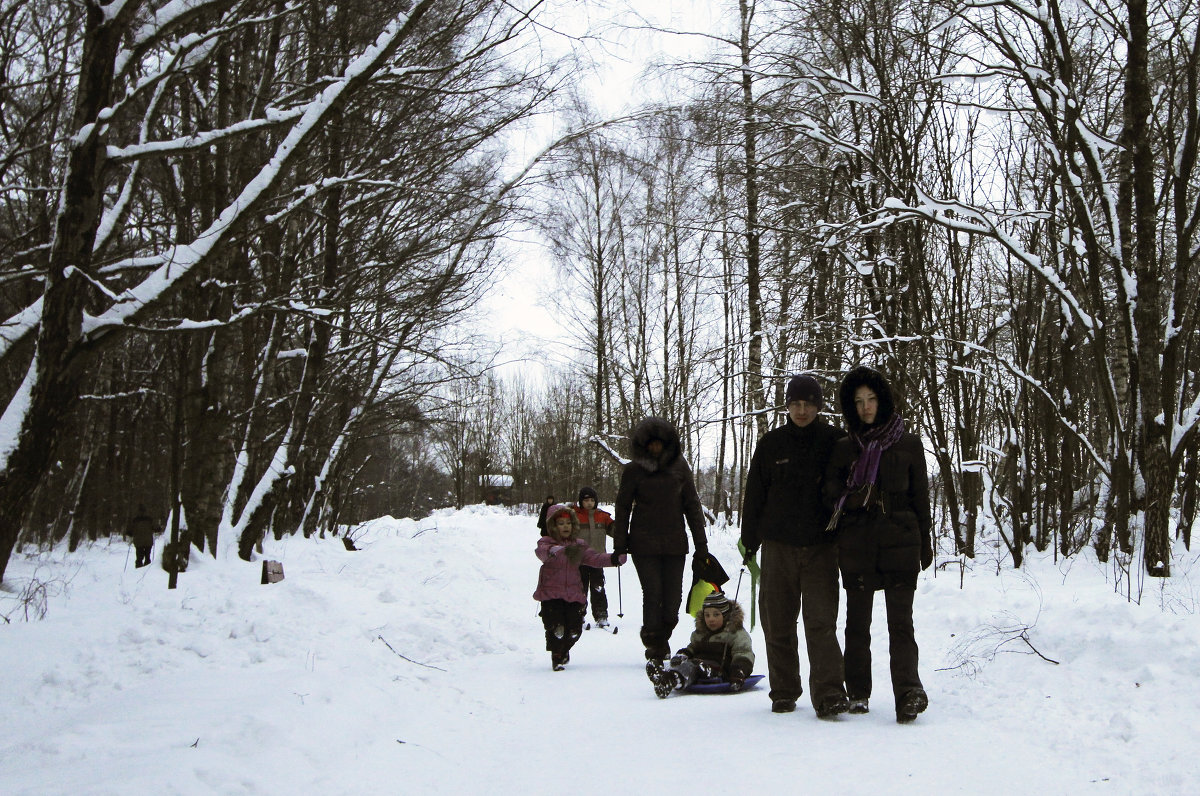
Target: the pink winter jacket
pixel 559 578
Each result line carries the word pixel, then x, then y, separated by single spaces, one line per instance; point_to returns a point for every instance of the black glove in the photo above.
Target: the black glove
pixel 615 558
pixel 926 552
pixel 574 554
pixel 698 563
pixel 678 659
pixel 619 551
pixel 750 554
pixel 737 677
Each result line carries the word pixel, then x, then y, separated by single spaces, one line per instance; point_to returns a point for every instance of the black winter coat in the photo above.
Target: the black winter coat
pixel 886 535
pixel 655 496
pixel 783 500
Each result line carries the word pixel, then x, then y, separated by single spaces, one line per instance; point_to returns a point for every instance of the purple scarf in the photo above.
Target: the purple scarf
pixel 871 444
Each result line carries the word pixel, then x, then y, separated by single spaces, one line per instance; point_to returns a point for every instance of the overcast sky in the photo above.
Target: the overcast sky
pixel 604 33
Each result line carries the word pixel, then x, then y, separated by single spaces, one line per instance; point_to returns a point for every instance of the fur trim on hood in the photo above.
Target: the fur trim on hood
pixel 858 377
pixel 733 620
pixel 659 429
pixel 562 508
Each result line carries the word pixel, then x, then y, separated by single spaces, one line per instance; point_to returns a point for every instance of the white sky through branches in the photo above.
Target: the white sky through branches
pixel 614 46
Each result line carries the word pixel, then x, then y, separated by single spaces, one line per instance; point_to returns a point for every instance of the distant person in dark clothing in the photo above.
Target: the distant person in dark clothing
pixel 878 489
pixel 141 532
pixel 542 515
pixel 784 513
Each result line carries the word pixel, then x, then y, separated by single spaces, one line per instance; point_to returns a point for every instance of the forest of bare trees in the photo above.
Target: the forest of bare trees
pixel 240 243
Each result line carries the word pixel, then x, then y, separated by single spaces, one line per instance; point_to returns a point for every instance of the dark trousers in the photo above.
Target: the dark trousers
pixel 902 640
pixel 801 582
pixel 143 554
pixel 662 593
pixel 593 584
pixel 564 625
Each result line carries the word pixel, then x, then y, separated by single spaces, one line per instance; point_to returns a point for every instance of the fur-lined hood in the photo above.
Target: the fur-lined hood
pixel 654 428
pixel 733 622
pixel 858 377
pixel 562 508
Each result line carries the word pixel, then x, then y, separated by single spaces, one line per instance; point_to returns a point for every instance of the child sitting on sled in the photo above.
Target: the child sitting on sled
pixel 719 648
pixel 560 587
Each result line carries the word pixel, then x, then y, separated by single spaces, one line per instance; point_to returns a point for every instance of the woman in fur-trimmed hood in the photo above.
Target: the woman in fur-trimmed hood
pixel 878 490
pixel 656 495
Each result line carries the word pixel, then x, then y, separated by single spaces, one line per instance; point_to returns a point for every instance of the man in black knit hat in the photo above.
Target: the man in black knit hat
pixel 782 512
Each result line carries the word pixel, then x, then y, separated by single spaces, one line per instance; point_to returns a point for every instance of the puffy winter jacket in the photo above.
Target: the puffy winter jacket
pixel 887 533
pixel 729 647
pixel 655 495
pixel 783 488
pixel 594 529
pixel 559 578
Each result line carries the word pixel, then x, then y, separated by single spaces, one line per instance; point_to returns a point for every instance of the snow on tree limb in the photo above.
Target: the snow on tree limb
pixel 183 259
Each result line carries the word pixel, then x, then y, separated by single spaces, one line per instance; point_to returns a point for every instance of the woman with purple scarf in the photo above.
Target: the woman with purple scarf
pixel 878 490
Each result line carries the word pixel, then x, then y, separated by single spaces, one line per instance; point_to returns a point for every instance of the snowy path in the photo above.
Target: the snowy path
pixel 225 686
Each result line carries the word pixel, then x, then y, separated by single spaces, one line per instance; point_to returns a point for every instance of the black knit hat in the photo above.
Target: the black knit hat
pixel 719 601
pixel 588 492
pixel 805 388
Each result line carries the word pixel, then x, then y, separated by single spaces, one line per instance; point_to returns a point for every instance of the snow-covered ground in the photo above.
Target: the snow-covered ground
pixel 416 665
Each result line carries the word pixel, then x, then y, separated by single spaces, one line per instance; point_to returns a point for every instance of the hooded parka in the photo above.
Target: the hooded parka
pixel 884 538
pixel 656 494
pixel 559 579
pixel 885 534
pixel 728 648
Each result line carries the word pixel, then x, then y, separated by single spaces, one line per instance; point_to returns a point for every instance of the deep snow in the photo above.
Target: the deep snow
pixel 416 665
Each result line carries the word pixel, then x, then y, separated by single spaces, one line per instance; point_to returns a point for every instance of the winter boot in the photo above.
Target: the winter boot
pixel 667 681
pixel 654 668
pixel 832 706
pixel 858 706
pixel 558 661
pixel 783 705
pixel 602 620
pixel 912 703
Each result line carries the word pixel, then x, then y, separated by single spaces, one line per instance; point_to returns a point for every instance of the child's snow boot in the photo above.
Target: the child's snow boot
pixel 668 680
pixel 654 668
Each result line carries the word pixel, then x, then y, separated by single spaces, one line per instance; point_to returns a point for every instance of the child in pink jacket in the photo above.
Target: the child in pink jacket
pixel 560 588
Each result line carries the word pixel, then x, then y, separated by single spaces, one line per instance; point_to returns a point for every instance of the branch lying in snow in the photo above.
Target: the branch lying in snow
pixel 985 641
pixel 410 660
pixel 1025 638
